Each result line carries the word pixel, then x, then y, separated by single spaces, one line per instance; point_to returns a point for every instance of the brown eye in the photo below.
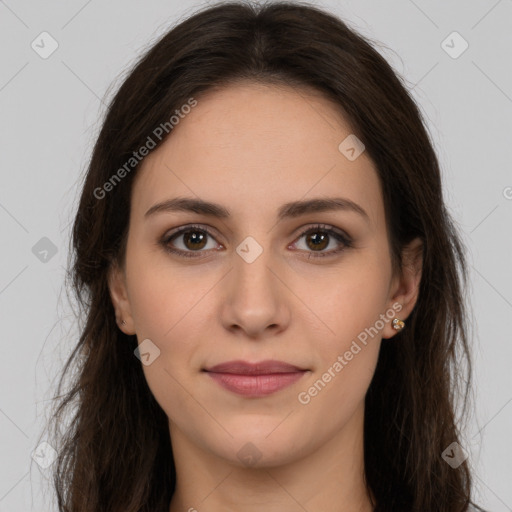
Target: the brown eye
pixel 189 242
pixel 317 241
pixel 320 237
pixel 194 240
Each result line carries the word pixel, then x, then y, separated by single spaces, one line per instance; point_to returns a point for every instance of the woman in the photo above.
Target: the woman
pixel 272 285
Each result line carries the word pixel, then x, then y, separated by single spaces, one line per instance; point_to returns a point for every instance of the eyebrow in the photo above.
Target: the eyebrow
pixel 288 210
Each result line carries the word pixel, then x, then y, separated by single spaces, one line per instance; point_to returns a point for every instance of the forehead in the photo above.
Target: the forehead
pixel 252 146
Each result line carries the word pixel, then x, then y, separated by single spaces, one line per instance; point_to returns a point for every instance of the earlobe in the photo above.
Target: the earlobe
pixel 119 297
pixel 406 286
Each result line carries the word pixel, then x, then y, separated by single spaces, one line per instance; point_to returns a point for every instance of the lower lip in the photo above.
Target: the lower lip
pixel 255 385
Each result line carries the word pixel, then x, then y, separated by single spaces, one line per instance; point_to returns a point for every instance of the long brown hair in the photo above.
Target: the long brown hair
pixel 116 453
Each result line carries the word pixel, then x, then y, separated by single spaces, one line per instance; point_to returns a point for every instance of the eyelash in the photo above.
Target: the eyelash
pixel 325 229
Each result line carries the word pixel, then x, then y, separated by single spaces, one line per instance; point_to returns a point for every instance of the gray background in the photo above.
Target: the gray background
pixel 50 114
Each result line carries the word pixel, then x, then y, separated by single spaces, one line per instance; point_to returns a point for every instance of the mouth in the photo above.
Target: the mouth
pixel 255 379
pixel 267 367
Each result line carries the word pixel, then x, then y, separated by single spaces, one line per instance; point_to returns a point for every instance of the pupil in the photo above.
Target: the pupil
pixel 195 238
pixel 318 240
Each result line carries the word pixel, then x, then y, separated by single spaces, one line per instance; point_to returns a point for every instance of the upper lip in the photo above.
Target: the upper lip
pixel 268 366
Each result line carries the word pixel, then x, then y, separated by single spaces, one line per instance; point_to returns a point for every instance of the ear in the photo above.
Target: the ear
pixel 120 301
pixel 405 286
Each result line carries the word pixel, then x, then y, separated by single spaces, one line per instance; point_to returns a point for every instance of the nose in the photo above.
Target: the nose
pixel 256 298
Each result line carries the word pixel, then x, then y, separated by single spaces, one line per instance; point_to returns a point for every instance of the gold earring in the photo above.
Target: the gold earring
pixel 123 322
pixel 398 325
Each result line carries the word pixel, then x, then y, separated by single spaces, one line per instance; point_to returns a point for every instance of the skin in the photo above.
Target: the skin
pixel 252 148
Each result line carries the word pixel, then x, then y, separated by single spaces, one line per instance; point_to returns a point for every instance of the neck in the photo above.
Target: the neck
pixel 328 478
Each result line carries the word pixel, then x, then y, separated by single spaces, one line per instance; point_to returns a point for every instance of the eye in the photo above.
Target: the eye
pixel 319 237
pixel 193 239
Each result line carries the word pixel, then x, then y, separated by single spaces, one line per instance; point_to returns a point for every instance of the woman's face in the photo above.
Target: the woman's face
pixel 254 287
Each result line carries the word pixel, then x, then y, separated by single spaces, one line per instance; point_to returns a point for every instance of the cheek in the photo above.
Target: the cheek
pixel 173 308
pixel 348 353
pixel 170 311
pixel 164 298
pixel 351 300
pixel 353 308
pixel 347 356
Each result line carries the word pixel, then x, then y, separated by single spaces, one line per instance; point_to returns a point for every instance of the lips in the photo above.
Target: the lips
pixel 253 380
pixel 267 367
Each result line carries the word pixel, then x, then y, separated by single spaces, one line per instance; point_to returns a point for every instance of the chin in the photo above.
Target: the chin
pixel 258 449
